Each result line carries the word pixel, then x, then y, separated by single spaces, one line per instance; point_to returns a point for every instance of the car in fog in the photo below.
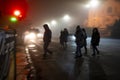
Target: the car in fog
pixel 32 38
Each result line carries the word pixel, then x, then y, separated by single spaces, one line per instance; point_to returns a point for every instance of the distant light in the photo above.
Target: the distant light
pixel 27 50
pixel 17 13
pixel 13 19
pixel 20 15
pixel 94 3
pixel 31 45
pixel 40 35
pixel 87 6
pixel 66 17
pixel 53 22
pixel 73 37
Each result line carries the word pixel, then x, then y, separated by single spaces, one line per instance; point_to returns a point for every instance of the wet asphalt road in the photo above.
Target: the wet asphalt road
pixel 62 65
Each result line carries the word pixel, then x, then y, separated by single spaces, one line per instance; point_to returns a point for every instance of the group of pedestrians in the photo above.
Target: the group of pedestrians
pixel 80 40
pixel 64 38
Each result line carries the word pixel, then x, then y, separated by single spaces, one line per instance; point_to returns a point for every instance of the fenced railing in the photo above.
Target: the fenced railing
pixel 7 55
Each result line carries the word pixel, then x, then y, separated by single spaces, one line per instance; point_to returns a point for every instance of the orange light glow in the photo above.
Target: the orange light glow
pixel 105 15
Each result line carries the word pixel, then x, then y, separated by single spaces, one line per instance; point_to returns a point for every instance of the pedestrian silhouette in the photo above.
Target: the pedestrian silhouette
pixel 95 41
pixel 85 41
pixel 61 38
pixel 65 37
pixel 79 41
pixel 46 39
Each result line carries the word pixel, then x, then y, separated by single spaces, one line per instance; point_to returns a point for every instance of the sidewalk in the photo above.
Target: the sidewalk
pixel 24 68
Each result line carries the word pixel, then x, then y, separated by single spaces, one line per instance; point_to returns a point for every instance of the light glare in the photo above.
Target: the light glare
pixel 17 12
pixel 66 17
pixel 53 22
pixel 13 19
pixel 94 3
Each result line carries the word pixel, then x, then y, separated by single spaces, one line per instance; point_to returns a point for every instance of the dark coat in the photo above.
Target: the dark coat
pixel 79 38
pixel 85 37
pixel 47 36
pixel 95 39
pixel 65 35
pixel 61 37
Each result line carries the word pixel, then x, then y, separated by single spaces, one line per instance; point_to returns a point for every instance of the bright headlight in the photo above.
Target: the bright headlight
pixel 32 45
pixel 30 36
pixel 39 35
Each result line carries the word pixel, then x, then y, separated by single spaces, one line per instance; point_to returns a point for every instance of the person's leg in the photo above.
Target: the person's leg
pixel 45 49
pixel 80 54
pixel 93 47
pixel 47 45
pixel 85 49
pixel 77 51
pixel 62 44
pixel 65 44
pixel 97 49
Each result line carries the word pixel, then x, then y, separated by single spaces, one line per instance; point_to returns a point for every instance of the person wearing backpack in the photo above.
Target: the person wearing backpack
pixel 79 40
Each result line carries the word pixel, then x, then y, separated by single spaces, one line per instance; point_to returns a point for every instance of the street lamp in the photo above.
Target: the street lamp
pixel 53 22
pixel 66 17
pixel 17 13
pixel 92 3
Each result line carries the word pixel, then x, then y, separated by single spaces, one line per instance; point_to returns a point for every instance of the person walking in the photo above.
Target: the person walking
pixel 61 38
pixel 65 37
pixel 95 41
pixel 85 41
pixel 46 39
pixel 79 41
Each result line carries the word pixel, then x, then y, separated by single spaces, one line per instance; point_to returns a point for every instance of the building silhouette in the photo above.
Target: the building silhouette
pixel 104 16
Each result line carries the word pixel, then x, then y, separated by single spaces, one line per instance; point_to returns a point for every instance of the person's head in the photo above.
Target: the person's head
pixel 95 30
pixel 78 27
pixel 46 26
pixel 65 29
pixel 83 29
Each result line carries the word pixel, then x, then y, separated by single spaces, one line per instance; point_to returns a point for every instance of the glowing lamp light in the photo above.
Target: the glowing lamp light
pixel 20 16
pixel 66 17
pixel 87 6
pixel 53 22
pixel 92 3
pixel 13 19
pixel 17 13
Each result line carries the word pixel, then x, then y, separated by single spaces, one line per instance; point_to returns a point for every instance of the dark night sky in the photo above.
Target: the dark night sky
pixel 41 11
pixel 46 10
